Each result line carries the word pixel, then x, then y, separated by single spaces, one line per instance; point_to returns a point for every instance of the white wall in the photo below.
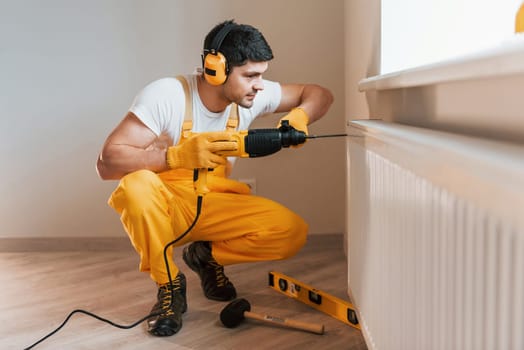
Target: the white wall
pixel 362 53
pixel 69 71
pixel 362 23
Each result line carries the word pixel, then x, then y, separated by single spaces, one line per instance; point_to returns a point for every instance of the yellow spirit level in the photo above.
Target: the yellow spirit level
pixel 333 306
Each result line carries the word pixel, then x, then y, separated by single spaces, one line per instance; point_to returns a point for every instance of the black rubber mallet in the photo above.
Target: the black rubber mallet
pixel 239 309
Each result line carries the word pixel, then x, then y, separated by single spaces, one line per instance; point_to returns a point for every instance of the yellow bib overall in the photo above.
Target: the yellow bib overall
pixel 156 208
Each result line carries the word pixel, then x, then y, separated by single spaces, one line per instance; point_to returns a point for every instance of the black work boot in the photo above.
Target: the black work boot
pixel 169 321
pixel 214 282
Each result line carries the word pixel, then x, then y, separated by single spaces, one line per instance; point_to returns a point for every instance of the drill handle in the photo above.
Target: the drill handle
pixel 200 181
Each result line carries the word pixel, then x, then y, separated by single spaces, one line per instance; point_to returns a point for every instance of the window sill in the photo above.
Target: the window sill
pixel 502 60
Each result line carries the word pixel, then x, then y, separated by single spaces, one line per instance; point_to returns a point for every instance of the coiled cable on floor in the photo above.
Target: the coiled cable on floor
pixel 198 210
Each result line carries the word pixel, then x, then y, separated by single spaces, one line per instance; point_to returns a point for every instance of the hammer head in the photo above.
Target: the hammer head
pixel 233 314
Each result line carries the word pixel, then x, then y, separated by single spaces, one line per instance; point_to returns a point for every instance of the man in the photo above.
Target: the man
pixel 176 125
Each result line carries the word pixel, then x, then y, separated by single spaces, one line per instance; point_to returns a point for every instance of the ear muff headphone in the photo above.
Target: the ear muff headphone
pixel 215 64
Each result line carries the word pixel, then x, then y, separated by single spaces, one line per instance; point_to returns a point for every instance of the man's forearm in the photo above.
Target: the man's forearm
pixel 117 161
pixel 316 101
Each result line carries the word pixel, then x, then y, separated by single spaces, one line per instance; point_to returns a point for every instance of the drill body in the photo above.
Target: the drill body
pixel 263 142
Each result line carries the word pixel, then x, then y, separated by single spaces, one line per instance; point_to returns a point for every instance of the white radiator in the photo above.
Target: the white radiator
pixel 436 239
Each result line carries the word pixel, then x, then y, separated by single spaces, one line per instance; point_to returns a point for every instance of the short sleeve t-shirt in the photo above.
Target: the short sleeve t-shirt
pixel 161 105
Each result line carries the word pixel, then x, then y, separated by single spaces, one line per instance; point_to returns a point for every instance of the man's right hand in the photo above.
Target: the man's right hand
pixel 199 151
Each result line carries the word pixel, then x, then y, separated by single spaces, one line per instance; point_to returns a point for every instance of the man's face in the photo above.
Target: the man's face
pixel 244 82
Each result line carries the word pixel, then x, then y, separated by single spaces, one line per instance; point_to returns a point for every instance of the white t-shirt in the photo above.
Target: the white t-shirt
pixel 161 105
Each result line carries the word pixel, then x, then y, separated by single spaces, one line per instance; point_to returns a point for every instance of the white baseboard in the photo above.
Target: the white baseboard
pixel 56 244
pixel 62 244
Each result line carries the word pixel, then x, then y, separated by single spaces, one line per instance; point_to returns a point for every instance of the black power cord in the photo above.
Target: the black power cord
pixel 198 210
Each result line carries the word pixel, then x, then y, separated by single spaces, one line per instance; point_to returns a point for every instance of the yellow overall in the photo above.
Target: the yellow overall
pixel 156 208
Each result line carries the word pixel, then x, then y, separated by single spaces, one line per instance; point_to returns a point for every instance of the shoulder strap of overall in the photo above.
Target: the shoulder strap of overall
pixel 188 113
pixel 232 122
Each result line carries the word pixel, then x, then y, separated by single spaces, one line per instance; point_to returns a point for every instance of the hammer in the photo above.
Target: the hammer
pixel 235 312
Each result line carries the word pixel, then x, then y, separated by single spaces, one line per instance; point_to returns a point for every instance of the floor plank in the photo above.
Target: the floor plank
pixel 39 289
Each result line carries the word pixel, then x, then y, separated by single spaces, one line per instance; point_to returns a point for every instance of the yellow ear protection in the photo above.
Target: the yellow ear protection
pixel 214 62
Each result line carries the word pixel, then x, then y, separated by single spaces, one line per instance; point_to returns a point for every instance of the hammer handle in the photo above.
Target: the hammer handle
pixel 284 322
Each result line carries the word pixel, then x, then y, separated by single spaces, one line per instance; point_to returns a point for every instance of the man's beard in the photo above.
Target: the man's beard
pixel 247 104
pixel 247 101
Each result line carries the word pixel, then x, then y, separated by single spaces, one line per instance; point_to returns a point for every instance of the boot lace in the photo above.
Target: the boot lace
pixel 166 294
pixel 221 278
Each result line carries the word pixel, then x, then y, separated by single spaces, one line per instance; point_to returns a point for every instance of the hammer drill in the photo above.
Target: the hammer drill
pixel 258 143
pixel 263 142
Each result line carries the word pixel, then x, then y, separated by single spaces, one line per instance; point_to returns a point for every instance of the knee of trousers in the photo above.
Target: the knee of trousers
pixel 137 191
pixel 295 236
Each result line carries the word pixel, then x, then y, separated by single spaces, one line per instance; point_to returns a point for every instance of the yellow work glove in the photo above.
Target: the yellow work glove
pixel 199 151
pixel 297 118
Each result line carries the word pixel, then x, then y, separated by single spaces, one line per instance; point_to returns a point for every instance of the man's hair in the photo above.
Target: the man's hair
pixel 242 43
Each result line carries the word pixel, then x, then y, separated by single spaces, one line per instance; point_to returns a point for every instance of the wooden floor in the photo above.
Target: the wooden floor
pixel 39 289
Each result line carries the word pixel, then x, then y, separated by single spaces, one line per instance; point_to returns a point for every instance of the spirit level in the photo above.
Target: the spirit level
pixel 331 305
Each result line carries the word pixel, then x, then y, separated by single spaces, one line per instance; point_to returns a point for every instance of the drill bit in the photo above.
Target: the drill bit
pixel 329 135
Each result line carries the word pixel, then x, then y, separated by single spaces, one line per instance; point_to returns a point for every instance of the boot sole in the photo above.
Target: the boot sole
pixel 164 330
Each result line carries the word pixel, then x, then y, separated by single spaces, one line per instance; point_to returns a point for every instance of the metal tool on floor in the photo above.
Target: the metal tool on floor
pixel 331 305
